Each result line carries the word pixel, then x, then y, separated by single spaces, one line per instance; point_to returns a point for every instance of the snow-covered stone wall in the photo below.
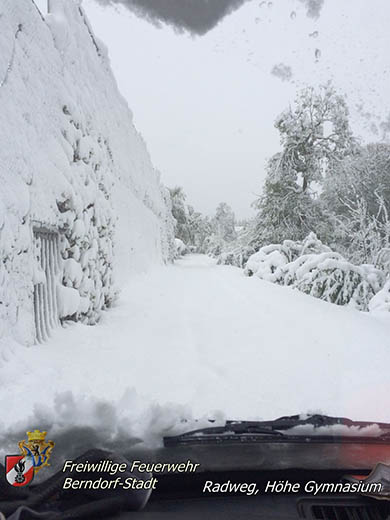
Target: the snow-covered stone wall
pixel 72 164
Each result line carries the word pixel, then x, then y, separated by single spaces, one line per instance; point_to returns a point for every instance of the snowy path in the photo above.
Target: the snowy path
pixel 205 336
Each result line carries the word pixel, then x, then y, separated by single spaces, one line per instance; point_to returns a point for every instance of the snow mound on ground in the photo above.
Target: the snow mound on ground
pixel 314 269
pixel 181 248
pixel 380 303
pixel 78 423
pixel 68 301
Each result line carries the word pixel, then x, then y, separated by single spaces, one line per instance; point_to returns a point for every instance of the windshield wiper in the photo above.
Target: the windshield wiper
pixel 261 431
pixel 316 420
pixel 231 431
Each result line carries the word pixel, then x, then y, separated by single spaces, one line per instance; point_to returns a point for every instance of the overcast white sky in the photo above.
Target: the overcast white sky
pixel 206 105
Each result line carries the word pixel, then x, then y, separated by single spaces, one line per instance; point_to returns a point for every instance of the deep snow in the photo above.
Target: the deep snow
pixel 197 340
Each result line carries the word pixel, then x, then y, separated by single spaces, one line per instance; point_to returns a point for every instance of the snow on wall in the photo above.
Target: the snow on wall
pixel 71 160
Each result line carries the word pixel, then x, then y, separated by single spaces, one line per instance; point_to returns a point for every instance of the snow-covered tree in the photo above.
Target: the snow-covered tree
pixel 285 211
pixel 365 175
pixel 224 222
pixel 199 228
pixel 180 213
pixel 357 197
pixel 314 135
pixel 192 228
pixel 239 250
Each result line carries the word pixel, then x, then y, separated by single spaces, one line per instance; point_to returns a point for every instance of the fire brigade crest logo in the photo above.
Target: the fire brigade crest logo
pixel 35 454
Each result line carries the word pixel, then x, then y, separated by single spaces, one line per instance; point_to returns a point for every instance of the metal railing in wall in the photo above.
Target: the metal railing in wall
pixel 45 293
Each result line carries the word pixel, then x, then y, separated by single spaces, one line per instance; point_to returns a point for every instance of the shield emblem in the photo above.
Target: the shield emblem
pixel 19 470
pixel 37 448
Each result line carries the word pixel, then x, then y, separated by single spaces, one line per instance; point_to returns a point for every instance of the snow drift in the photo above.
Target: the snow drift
pixel 73 165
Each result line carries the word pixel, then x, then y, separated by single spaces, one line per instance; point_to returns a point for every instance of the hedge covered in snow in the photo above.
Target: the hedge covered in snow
pixel 314 269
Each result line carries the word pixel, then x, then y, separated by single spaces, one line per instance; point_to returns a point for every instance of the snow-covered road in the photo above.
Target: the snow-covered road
pixel 196 337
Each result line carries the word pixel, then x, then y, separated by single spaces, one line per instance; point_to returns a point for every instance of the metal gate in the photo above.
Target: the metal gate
pixel 45 292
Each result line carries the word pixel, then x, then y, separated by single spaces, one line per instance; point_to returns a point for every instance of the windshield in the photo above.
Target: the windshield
pixel 194 234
